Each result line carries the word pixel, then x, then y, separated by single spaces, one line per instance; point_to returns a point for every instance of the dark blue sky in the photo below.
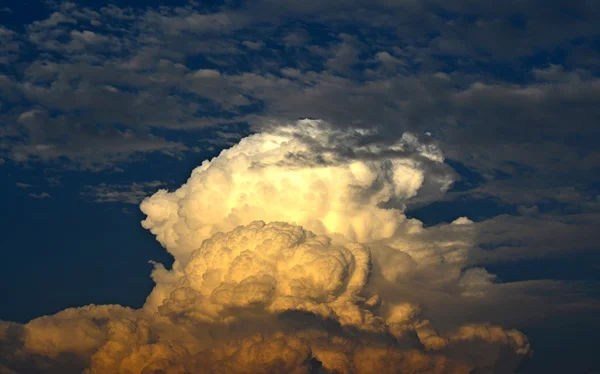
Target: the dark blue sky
pixel 99 108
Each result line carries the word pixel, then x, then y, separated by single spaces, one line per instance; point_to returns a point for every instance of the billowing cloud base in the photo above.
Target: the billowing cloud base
pixel 291 252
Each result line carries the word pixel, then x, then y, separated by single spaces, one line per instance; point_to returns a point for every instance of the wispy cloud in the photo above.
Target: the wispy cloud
pixel 128 194
pixel 41 195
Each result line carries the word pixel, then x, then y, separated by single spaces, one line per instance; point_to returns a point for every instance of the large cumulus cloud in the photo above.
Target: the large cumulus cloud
pixel 292 251
pixel 302 173
pixel 326 181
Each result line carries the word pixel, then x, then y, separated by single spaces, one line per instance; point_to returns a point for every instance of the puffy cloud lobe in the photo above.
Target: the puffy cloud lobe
pixel 130 349
pixel 46 335
pixel 62 342
pixel 437 258
pixel 257 354
pixel 492 349
pixel 276 267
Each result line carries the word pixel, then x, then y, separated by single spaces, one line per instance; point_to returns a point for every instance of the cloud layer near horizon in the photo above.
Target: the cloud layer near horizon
pixel 318 288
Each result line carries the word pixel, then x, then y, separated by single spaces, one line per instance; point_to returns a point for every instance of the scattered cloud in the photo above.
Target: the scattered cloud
pixel 128 194
pixel 41 195
pixel 534 235
pixel 54 181
pixel 139 79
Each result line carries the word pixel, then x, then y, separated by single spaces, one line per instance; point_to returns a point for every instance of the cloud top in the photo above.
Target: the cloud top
pixel 304 173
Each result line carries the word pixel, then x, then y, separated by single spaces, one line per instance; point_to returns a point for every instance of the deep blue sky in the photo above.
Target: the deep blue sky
pixel 510 91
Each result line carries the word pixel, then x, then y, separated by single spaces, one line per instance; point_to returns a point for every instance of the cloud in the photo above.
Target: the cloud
pixel 54 181
pixel 321 286
pixel 276 267
pixel 41 195
pixel 261 297
pixel 23 185
pixel 137 77
pixel 253 45
pixel 507 238
pixel 304 173
pixel 106 85
pixel 128 194
pixel 345 55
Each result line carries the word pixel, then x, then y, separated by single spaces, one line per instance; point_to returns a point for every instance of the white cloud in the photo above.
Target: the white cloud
pixel 279 177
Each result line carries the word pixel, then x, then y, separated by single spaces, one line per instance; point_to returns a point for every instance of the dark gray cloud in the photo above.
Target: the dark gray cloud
pixel 141 77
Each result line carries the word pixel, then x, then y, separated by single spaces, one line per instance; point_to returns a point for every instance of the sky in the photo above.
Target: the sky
pixel 426 174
